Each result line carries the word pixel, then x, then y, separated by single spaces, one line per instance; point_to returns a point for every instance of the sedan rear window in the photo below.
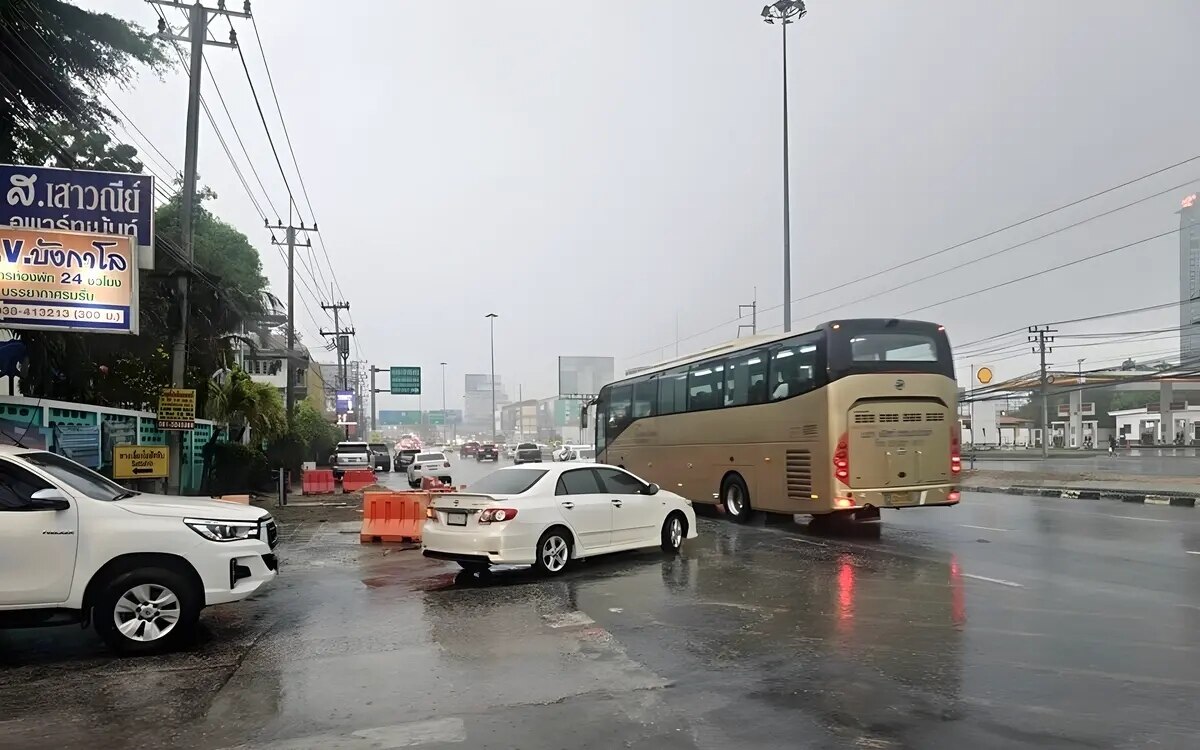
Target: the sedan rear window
pixel 352 448
pixel 526 447
pixel 431 457
pixel 507 482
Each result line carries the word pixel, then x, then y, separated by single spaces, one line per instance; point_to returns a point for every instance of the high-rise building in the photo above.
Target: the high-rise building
pixel 1189 281
pixel 477 401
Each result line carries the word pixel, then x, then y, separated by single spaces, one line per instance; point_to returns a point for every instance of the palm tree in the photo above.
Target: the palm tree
pixel 240 402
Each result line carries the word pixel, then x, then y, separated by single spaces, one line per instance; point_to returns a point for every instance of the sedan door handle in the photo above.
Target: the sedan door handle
pixel 616 502
pixel 568 506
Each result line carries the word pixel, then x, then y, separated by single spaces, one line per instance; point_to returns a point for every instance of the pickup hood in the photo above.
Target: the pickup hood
pixel 187 507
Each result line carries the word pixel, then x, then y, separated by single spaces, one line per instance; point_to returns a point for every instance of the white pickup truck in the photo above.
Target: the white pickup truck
pixel 77 547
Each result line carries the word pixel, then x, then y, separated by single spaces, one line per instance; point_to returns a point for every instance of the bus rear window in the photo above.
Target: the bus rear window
pixel 893 347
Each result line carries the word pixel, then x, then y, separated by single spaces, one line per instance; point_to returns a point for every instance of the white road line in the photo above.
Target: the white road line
pixel 1192 551
pixel 1145 520
pixel 805 541
pixel 1000 581
pixel 981 528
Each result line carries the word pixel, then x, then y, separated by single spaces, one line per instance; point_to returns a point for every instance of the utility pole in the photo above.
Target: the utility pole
pixel 1040 336
pixel 492 347
pixel 753 315
pixel 374 390
pixel 195 34
pixel 292 244
pixel 342 338
pixel 445 416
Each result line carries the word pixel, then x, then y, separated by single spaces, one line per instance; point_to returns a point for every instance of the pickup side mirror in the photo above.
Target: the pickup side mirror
pixel 651 489
pixel 48 499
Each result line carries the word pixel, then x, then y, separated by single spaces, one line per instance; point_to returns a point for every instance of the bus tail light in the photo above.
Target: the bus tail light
pixel 955 451
pixel 841 459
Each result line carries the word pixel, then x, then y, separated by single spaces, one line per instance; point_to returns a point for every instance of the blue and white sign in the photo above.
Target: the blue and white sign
pixel 80 200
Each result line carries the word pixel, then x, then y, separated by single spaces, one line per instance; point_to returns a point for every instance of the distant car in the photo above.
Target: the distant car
pixel 510 450
pixel 527 453
pixel 546 517
pixel 487 452
pixel 469 448
pixel 435 465
pixel 404 458
pixel 381 456
pixel 577 453
pixel 564 453
pixel 351 455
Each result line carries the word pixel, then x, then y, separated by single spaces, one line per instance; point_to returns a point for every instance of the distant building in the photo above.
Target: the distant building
pixel 1189 280
pixel 477 402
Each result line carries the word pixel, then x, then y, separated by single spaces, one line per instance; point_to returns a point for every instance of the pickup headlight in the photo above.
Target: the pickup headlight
pixel 223 531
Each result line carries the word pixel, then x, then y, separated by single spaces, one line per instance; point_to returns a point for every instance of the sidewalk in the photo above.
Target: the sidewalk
pixel 1177 491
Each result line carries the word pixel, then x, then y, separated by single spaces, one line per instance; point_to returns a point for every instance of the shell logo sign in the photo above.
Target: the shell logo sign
pixel 984 375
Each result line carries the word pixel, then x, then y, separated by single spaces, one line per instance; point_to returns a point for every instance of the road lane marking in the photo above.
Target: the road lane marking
pixel 982 528
pixel 412 734
pixel 1001 581
pixel 572 619
pixel 1144 520
pixel 1192 551
pixel 806 541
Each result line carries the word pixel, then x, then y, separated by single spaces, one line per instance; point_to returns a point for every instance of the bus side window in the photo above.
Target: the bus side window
pixel 793 366
pixel 672 391
pixel 645 395
pixel 705 381
pixel 602 419
pixel 746 379
pixel 620 410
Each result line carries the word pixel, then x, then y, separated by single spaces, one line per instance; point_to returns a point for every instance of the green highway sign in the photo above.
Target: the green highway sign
pixel 406 381
pixel 394 418
pixel 437 417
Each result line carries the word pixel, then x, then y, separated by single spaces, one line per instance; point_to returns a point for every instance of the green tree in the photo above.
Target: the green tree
pixel 55 58
pixel 241 402
pixel 317 437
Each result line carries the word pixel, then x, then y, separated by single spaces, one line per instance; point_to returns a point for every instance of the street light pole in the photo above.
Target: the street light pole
pixel 492 345
pixel 445 416
pixel 785 12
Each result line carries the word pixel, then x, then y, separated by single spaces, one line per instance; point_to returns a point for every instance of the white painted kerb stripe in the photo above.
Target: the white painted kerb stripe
pixel 981 528
pixel 1000 581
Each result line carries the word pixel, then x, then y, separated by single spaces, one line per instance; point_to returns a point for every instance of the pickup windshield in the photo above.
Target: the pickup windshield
pixel 431 457
pixel 79 478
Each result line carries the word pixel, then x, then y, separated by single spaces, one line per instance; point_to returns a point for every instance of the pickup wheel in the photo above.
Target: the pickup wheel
pixel 147 611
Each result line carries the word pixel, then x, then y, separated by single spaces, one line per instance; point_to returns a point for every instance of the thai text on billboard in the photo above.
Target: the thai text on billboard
pixel 80 200
pixel 55 281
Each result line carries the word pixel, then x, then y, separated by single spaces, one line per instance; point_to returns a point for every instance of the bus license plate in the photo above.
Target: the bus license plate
pixel 896 498
pixel 456 519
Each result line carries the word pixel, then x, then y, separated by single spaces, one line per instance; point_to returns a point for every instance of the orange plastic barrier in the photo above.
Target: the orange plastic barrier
pixel 317 482
pixel 355 479
pixel 431 483
pixel 393 516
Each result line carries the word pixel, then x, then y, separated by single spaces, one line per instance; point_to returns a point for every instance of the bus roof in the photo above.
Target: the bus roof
pixel 750 342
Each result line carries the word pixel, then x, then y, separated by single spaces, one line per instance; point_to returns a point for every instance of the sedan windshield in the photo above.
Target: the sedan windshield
pixel 79 478
pixel 507 482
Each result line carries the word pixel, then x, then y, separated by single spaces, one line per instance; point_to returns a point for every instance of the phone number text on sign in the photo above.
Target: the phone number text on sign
pixel 52 314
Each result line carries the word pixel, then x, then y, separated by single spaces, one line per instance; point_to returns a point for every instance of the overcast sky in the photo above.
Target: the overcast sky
pixel 594 171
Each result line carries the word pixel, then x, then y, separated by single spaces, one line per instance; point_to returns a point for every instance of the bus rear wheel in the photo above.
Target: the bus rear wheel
pixel 736 499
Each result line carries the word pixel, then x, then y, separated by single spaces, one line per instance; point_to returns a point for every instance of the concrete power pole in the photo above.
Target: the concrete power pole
pixel 1040 336
pixel 196 35
pixel 292 244
pixel 341 338
pixel 753 315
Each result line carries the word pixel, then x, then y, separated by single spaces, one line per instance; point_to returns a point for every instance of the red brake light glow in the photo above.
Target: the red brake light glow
pixel 955 452
pixel 496 515
pixel 953 496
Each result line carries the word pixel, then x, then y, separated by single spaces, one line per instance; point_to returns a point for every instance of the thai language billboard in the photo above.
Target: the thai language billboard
pixel 68 281
pixel 80 200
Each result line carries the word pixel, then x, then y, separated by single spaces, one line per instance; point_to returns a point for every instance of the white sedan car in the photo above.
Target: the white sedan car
pixel 548 515
pixel 435 465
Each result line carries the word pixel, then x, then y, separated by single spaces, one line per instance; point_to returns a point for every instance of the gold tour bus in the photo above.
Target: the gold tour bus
pixel 855 416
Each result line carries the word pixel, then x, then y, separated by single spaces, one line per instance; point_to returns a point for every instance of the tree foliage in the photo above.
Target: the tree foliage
pixel 55 58
pixel 241 402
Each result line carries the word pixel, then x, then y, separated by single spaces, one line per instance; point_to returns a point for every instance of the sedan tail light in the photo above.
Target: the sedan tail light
pixel 496 515
pixel 430 514
pixel 447 464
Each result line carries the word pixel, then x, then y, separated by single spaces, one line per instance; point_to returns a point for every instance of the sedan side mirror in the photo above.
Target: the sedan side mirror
pixel 48 499
pixel 652 489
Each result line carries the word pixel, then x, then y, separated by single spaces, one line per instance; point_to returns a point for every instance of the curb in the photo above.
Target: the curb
pixel 1125 496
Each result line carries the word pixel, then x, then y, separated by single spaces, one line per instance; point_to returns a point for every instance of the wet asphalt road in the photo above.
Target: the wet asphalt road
pixel 1006 622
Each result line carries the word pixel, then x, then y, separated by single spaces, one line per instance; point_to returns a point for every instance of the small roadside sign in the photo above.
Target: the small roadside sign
pixel 177 409
pixel 406 381
pixel 140 461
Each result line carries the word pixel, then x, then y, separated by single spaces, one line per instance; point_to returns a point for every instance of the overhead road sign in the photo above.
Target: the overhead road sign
pixel 51 280
pixel 80 200
pixel 406 381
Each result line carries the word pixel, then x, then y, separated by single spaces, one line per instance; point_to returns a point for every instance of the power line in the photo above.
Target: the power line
pixel 266 128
